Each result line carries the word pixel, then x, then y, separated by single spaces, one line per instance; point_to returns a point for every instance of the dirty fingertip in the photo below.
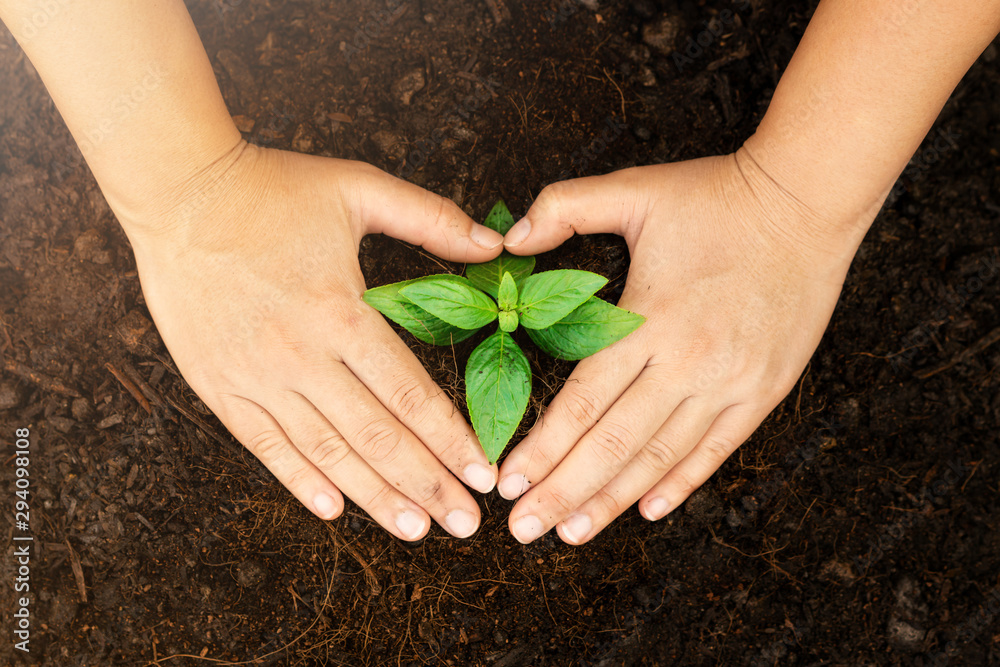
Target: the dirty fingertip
pixel 517 234
pixel 512 487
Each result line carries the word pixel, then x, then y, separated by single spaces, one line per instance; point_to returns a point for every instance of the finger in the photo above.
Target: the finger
pixel 596 204
pixel 671 443
pixel 333 456
pixel 261 434
pixel 604 451
pixel 395 453
pixel 399 381
pixel 594 385
pixel 388 205
pixel 730 430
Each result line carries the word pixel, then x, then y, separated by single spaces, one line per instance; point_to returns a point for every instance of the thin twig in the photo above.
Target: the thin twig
pixel 974 349
pixel 43 381
pixel 130 387
pixel 197 421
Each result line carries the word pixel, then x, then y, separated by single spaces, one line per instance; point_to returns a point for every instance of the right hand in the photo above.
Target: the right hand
pixel 737 281
pixel 252 277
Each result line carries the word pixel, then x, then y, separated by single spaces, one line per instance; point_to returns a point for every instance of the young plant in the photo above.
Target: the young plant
pixel 558 309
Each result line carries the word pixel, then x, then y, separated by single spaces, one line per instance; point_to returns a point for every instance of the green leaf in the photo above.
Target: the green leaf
pixel 588 329
pixel 499 218
pixel 427 328
pixel 497 386
pixel 507 294
pixel 508 320
pixel 456 302
pixel 487 276
pixel 550 296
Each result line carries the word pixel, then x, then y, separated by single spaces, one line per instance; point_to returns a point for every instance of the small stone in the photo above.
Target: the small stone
pixel 109 421
pixel 646 77
pixel 661 34
pixel 642 133
pixel 839 570
pixel 61 424
pixel 304 140
pixel 639 53
pixel 389 144
pixel 644 9
pixel 904 635
pixel 243 124
pixel 704 506
pixel 88 245
pixel 249 574
pixel 909 599
pixel 9 396
pixel 408 85
pixel 132 328
pixel 462 132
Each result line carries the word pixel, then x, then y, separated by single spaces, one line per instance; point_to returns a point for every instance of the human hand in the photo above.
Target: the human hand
pixel 737 281
pixel 253 280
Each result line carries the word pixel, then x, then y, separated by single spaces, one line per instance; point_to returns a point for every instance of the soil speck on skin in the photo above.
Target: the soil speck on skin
pixel 866 501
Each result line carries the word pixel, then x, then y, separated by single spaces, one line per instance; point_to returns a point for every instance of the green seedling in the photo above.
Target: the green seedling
pixel 558 309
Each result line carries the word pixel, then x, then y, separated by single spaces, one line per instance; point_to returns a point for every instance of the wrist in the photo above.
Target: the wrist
pixel 146 197
pixel 829 212
pixel 153 209
pixel 802 229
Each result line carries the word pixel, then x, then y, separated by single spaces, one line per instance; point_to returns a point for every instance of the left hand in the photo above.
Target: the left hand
pixel 737 281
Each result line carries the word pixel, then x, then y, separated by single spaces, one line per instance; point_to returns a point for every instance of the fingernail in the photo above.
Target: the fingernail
pixel 410 524
pixel 517 233
pixel 484 237
pixel 577 528
pixel 479 477
pixel 657 508
pixel 461 523
pixel 513 486
pixel 527 529
pixel 324 505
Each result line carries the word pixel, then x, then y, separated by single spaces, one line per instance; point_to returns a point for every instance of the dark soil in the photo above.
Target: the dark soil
pixel 857 527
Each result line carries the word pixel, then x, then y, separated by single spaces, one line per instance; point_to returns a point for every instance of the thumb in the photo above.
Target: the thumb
pixel 391 206
pixel 591 205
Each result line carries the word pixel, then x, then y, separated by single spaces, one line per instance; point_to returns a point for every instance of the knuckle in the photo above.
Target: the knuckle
pixel 299 477
pixel 717 448
pixel 659 454
pixel 444 211
pixel 562 503
pixel 684 482
pixel 381 495
pixel 611 505
pixel 535 460
pixel 410 401
pixel 582 406
pixel 380 441
pixel 549 200
pixel 454 449
pixel 428 494
pixel 268 446
pixel 612 445
pixel 329 452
